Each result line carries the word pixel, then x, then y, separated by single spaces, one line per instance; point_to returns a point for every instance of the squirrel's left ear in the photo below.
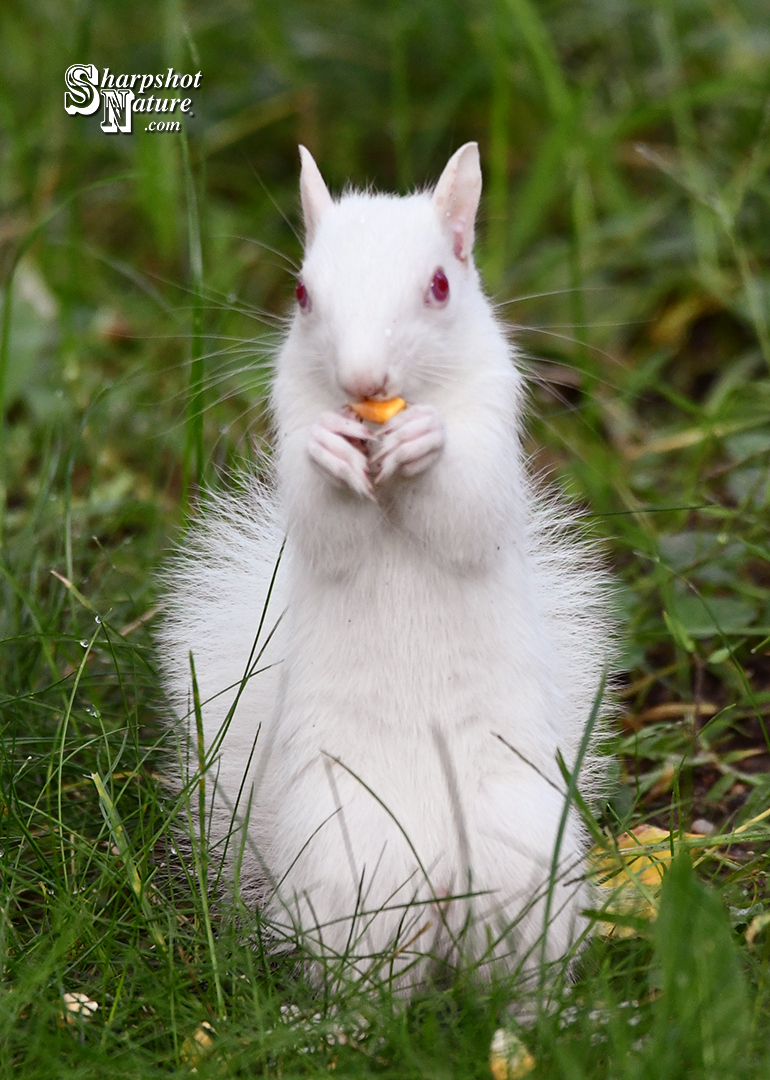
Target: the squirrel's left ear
pixel 456 197
pixel 314 193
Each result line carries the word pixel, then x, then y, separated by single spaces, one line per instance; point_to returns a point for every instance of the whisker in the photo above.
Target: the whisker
pixel 567 291
pixel 269 194
pixel 572 341
pixel 259 243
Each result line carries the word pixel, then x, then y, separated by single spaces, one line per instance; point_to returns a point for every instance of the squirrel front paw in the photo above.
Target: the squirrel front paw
pixel 409 444
pixel 337 445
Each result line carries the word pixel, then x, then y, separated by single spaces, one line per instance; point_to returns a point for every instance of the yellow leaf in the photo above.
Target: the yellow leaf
pixel 672 326
pixel 201 1044
pixel 631 873
pixel 757 924
pixel 636 862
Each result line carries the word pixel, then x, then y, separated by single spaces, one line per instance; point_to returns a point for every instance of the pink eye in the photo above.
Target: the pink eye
pixel 439 288
pixel 303 296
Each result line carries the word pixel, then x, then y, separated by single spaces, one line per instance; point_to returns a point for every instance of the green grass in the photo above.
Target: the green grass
pixel 624 230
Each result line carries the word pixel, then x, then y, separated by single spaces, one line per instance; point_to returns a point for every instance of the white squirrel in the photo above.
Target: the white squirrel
pixel 390 767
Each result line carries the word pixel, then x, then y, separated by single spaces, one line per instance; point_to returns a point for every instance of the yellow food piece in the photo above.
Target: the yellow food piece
pixel 378 412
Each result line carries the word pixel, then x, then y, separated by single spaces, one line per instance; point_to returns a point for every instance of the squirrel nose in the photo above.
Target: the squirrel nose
pixel 362 387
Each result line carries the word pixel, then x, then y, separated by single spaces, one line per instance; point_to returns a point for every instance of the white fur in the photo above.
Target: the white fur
pixel 432 602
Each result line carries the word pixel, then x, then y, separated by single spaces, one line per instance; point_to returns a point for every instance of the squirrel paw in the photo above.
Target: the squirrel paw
pixel 332 446
pixel 409 443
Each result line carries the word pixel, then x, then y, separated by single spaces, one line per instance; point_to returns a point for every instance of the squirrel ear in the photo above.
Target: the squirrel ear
pixel 314 193
pixel 456 197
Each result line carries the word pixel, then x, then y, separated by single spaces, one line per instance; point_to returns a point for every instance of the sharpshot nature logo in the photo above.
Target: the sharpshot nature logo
pixel 123 95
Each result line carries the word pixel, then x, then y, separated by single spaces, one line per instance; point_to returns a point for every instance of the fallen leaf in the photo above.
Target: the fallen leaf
pixel 631 872
pixel 200 1045
pixel 757 924
pixel 673 325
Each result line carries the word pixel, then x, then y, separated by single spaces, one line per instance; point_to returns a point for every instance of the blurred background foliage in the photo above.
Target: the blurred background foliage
pixel 624 236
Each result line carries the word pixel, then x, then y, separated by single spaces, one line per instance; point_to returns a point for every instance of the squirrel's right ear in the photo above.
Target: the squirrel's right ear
pixel 314 193
pixel 456 197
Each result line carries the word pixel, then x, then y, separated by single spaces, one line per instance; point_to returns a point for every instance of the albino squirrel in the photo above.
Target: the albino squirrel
pixel 387 785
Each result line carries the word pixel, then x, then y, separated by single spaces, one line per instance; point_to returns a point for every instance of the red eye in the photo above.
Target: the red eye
pixel 303 296
pixel 439 288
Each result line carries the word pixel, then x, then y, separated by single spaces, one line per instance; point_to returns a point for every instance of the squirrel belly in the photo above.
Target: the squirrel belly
pixel 436 634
